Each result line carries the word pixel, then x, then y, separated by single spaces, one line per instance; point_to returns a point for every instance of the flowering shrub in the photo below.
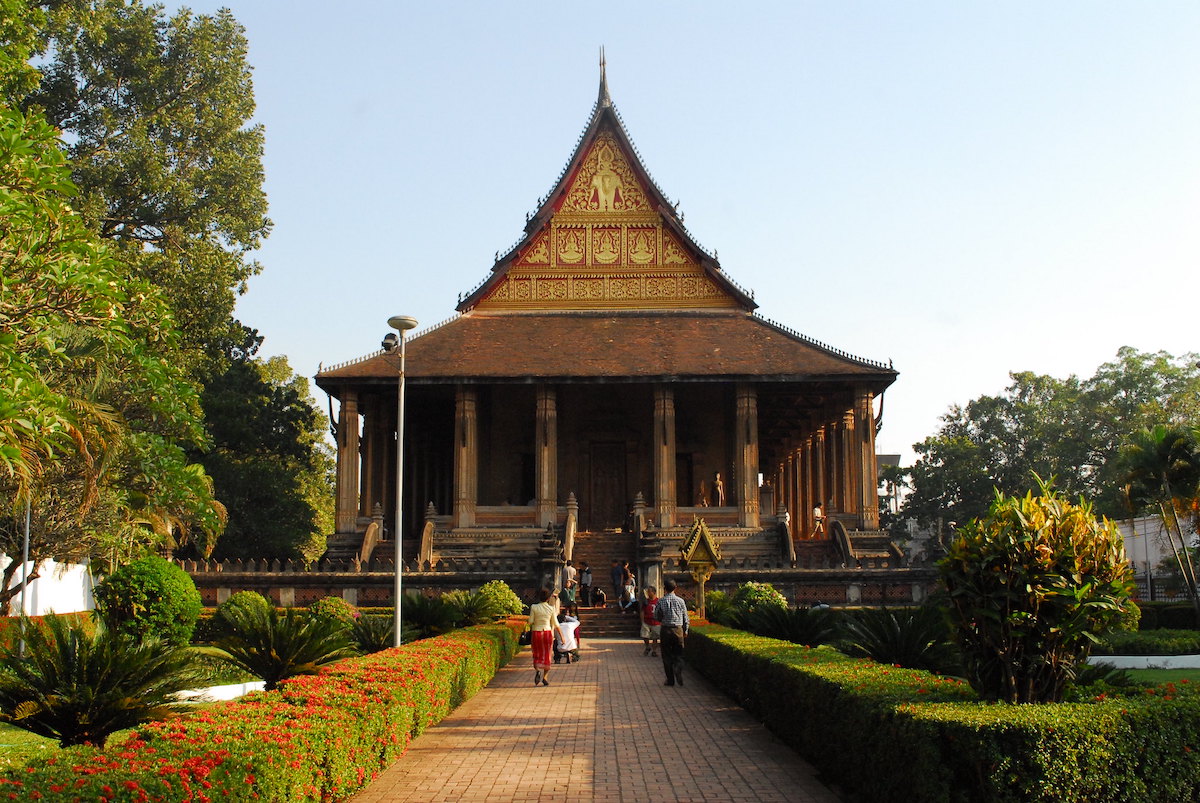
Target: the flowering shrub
pixel 318 737
pixel 333 608
pixel 930 738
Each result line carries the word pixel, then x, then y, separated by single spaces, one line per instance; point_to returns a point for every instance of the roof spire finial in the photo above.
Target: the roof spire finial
pixel 603 99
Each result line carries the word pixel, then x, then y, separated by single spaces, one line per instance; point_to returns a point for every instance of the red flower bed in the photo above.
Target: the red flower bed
pixel 319 737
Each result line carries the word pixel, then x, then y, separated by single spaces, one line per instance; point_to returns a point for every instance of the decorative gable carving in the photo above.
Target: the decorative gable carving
pixel 605 181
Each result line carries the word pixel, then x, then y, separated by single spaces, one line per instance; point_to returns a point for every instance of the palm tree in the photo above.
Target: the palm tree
pixel 80 687
pixel 275 647
pixel 1161 469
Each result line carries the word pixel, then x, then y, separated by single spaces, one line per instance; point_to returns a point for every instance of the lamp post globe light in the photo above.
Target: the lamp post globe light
pixel 401 323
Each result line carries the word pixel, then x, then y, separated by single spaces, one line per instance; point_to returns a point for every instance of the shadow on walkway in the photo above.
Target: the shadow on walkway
pixel 606 729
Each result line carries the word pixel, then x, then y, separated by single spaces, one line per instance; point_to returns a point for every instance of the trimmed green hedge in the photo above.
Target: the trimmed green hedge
pixel 891 734
pixel 1150 642
pixel 320 737
pixel 1167 615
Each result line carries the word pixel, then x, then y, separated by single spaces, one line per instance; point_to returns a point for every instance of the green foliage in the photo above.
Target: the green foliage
pixel 373 633
pixel 275 646
pixel 223 619
pixel 322 737
pixel 1030 586
pixel 716 605
pixel 157 114
pixel 150 598
pixel 1130 618
pixel 504 600
pixel 80 687
pixel 929 739
pixel 808 626
pixel 428 616
pixel 92 413
pixel 1160 471
pixel 469 608
pixel 915 638
pixel 1150 642
pixel 753 596
pixel 1173 615
pixel 1069 429
pixel 268 460
pixel 334 608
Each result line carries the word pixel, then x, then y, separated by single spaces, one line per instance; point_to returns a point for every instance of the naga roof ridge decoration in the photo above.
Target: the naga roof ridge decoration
pixel 787 330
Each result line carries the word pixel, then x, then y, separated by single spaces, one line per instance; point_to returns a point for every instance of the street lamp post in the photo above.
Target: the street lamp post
pixel 401 323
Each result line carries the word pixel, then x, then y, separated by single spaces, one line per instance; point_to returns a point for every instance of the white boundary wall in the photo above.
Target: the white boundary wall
pixel 61 588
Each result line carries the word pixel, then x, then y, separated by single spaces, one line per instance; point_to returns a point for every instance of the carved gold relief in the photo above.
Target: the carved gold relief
pixel 589 289
pixel 612 289
pixel 570 246
pixel 660 287
pixel 552 289
pixel 606 245
pixel 673 253
pixel 642 246
pixel 538 253
pixel 605 182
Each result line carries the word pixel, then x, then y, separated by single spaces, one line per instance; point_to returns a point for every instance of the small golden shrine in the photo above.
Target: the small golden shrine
pixel 699 555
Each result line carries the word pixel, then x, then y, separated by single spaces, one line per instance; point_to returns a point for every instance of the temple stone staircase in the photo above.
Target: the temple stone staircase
pixel 600 549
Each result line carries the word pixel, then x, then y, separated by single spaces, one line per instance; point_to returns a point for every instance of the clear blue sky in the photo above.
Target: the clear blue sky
pixel 966 189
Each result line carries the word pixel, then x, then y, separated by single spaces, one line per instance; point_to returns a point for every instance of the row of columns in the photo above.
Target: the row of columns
pixel 355 498
pixel 833 465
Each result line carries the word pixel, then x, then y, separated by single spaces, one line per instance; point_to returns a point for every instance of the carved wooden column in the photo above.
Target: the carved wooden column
pixel 804 500
pixel 664 455
pixel 820 485
pixel 746 439
pixel 868 472
pixel 346 507
pixel 466 456
pixel 546 456
pixel 847 459
pixel 791 503
pixel 377 457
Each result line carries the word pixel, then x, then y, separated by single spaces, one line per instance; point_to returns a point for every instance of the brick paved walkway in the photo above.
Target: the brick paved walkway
pixel 587 737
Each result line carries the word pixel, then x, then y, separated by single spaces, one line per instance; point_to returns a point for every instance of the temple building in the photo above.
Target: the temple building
pixel 607 380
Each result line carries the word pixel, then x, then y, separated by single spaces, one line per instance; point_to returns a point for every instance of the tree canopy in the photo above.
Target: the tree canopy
pixel 130 201
pixel 1069 429
pixel 156 112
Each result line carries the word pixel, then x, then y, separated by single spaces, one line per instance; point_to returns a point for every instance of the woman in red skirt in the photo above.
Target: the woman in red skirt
pixel 543 622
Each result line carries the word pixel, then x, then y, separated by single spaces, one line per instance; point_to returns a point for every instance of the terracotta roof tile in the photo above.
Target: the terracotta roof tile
pixel 584 346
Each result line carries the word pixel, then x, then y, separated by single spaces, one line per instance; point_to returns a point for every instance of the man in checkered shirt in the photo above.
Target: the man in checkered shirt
pixel 672 612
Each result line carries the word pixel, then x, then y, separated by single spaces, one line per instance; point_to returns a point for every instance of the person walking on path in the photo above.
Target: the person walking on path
pixel 651 627
pixel 543 623
pixel 673 615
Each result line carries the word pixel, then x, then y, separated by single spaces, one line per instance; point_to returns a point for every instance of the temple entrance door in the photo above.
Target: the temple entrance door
pixel 607 485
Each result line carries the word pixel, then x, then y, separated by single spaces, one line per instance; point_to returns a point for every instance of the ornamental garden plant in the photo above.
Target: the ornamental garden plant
pixel 1031 586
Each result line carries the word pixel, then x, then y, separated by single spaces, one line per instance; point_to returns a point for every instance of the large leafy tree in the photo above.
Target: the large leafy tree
pixel 1068 429
pixel 156 111
pixel 92 412
pixel 268 460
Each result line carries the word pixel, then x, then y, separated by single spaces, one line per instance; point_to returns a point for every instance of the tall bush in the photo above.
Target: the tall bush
pixel 150 598
pixel 503 599
pixel 1031 586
